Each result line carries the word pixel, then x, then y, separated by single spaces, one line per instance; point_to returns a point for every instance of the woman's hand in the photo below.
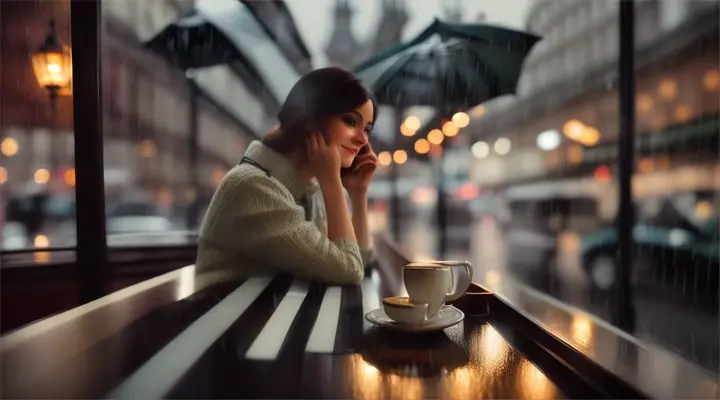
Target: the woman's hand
pixel 323 158
pixel 357 180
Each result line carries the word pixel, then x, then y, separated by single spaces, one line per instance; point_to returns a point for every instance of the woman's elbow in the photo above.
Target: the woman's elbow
pixel 353 273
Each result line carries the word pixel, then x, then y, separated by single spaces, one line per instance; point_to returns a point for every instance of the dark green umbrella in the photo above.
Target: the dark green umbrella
pixel 449 66
pixel 452 67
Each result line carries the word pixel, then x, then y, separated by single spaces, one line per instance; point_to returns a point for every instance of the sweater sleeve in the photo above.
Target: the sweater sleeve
pixel 271 228
pixel 367 254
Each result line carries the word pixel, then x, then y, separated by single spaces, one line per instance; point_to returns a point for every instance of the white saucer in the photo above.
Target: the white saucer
pixel 446 317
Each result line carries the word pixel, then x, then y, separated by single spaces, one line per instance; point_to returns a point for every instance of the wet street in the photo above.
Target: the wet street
pixel 661 321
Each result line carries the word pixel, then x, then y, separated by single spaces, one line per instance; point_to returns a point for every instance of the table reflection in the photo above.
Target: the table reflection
pixel 533 382
pixel 403 366
pixel 582 331
pixel 366 380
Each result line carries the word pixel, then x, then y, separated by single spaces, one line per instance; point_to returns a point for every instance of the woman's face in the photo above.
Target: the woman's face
pixel 349 132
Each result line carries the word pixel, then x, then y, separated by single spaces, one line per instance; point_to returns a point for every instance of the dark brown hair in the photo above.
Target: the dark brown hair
pixel 318 95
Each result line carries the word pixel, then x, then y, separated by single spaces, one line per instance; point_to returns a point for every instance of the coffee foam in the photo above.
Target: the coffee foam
pixel 398 301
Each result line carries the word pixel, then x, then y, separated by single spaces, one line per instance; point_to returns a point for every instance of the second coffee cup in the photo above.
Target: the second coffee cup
pixel 428 283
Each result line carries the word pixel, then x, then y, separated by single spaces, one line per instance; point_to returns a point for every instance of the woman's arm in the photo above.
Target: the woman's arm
pixel 256 216
pixel 339 223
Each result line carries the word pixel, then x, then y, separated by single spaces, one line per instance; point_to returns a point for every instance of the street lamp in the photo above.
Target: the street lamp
pixel 52 64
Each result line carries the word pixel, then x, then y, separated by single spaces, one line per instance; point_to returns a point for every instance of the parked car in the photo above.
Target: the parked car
pixel 670 251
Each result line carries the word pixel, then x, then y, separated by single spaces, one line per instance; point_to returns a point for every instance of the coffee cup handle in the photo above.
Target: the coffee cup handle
pixel 462 286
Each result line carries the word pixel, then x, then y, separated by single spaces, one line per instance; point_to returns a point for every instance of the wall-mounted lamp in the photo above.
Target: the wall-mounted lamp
pixel 52 64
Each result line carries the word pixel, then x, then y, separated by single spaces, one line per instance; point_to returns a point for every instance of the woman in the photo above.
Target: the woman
pixel 283 208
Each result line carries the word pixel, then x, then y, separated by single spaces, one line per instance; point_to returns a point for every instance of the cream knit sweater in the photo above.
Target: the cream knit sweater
pixel 266 219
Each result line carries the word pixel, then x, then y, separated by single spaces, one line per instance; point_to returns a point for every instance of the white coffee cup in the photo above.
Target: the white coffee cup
pixel 404 310
pixel 428 283
pixel 462 274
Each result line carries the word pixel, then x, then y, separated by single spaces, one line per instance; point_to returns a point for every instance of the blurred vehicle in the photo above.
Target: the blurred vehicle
pixel 489 206
pixel 533 227
pixel 14 236
pixel 675 247
pixel 35 210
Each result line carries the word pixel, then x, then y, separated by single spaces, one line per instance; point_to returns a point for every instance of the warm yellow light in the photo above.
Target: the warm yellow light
pixel 400 156
pixel 644 103
pixel 582 330
pixel 413 123
pixel 449 129
pixel 42 176
pixel 9 147
pixel 41 241
pixel 422 146
pixel 53 69
pixel 461 120
pixel 478 111
pixel 69 177
pixel 384 158
pixel 3 175
pixel 703 210
pixel 573 129
pixel 435 136
pixel 405 131
pixel 711 80
pixel 683 113
pixel 667 89
pixel 147 149
pixel 646 165
pixel 590 136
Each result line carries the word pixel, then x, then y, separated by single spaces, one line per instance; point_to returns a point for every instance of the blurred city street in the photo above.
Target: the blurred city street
pixel 661 321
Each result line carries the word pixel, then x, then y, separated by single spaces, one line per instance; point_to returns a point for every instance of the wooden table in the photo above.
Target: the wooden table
pixel 277 337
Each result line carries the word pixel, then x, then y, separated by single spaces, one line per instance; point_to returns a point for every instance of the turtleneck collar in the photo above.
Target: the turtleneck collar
pixel 282 169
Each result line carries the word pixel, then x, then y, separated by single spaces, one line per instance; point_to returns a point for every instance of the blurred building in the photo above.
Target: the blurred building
pixel 345 50
pixel 145 99
pixel 564 122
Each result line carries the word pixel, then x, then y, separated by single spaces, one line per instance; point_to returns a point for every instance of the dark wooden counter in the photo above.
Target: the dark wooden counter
pixel 283 338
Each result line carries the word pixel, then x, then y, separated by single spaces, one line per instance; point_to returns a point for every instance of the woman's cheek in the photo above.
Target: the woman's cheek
pixel 347 161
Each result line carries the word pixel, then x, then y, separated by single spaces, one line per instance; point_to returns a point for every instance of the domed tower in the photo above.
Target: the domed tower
pixel 342 49
pixel 453 11
pixel 393 18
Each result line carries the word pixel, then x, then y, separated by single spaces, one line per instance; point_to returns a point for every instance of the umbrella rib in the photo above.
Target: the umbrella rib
pixel 386 76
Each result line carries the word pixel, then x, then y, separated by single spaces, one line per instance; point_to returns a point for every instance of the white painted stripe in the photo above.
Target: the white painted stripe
pixel 15 338
pixel 322 338
pixel 268 343
pixel 158 376
pixel 370 297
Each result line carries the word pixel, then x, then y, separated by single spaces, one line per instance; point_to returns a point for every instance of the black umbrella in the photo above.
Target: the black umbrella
pixel 201 39
pixel 452 67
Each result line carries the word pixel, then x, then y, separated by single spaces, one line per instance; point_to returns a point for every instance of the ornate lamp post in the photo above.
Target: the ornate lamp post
pixel 52 65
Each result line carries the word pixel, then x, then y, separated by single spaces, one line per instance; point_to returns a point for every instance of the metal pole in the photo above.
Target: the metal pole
pixel 442 212
pixel 394 190
pixel 194 154
pixel 85 25
pixel 625 312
